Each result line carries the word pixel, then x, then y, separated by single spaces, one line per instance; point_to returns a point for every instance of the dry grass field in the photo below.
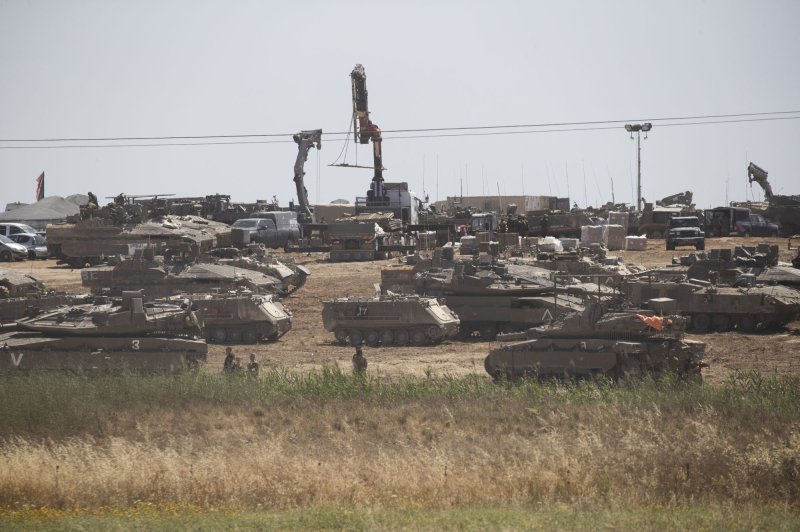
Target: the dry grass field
pixel 425 440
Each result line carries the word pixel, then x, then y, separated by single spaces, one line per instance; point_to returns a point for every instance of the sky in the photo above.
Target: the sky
pixel 108 69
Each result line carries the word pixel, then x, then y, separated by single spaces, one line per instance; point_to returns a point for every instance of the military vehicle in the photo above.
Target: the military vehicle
pixel 22 351
pixel 593 342
pixel 125 316
pixel 489 300
pixel 103 334
pixel 160 279
pixel 98 233
pixel 685 231
pixel 23 295
pixel 241 318
pixel 783 210
pixel 745 308
pixel 389 320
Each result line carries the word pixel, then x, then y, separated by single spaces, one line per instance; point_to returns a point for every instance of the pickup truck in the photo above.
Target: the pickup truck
pixel 265 230
pixel 756 225
pixel 685 231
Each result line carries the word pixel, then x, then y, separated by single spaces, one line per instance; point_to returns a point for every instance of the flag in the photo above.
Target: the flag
pixel 40 187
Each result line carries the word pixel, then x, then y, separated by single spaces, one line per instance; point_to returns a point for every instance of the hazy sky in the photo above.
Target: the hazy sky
pixel 104 68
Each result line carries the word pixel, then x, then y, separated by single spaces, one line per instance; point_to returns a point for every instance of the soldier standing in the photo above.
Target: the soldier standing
pixel 253 367
pixel 227 366
pixel 545 225
pixel 359 362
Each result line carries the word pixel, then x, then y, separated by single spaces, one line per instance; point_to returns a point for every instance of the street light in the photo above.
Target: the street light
pixel 638 128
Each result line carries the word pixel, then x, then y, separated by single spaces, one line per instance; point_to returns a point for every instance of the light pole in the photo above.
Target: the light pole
pixel 638 128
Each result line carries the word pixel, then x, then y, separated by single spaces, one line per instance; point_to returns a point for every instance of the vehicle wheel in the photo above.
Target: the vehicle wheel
pixel 488 331
pixel 234 336
pixel 341 335
pixel 218 335
pixel 387 337
pixel 6 256
pixel 371 338
pixel 670 247
pixel 746 323
pixel 721 322
pixel 701 322
pixel 774 234
pixel 31 255
pixel 746 234
pixel 401 337
pixel 250 336
pixel 700 246
pixel 418 337
pixel 356 338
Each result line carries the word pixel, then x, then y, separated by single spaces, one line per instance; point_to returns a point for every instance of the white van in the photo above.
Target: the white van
pixel 8 229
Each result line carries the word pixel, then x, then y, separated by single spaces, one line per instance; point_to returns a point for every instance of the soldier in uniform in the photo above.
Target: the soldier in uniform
pixel 253 367
pixel 359 362
pixel 545 225
pixel 227 366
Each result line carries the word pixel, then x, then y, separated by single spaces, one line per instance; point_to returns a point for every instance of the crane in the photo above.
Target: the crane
pixel 759 175
pixel 365 130
pixel 305 141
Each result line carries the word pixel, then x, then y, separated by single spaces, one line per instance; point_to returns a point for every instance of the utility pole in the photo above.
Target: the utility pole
pixel 638 128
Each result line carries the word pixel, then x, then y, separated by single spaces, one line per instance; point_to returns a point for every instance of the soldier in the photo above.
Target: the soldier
pixel 545 225
pixel 359 362
pixel 253 367
pixel 227 366
pixel 92 203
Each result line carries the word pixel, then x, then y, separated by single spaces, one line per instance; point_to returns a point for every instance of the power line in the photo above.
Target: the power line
pixel 477 131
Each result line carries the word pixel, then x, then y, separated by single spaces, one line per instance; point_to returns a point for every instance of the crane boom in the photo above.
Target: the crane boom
pixel 305 141
pixel 759 175
pixel 365 130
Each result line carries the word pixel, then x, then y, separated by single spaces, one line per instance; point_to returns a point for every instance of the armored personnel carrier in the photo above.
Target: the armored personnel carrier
pixel 745 308
pixel 592 343
pixel 125 334
pixel 389 320
pixel 241 318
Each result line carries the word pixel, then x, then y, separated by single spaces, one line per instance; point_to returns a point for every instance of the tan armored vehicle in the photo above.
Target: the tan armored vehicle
pixel 721 308
pixel 241 318
pixel 592 343
pixel 488 302
pixel 389 320
pixel 128 315
pixel 158 279
pixel 23 295
pixel 109 231
pixel 125 334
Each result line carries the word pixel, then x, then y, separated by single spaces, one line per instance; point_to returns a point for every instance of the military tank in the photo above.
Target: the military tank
pixel 159 278
pixel 241 318
pixel 716 308
pixel 101 232
pixel 102 334
pixel 125 316
pixel 593 342
pixel 489 300
pixel 389 320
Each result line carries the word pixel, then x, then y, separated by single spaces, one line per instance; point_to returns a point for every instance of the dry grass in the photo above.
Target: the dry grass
pixel 435 443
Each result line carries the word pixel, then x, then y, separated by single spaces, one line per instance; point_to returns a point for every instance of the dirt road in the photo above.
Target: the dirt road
pixel 308 346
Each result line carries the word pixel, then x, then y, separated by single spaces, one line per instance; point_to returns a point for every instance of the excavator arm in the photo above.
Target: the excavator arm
pixel 759 175
pixel 365 130
pixel 305 141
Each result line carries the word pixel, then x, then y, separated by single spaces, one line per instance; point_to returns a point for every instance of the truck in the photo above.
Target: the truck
pixel 272 228
pixel 738 221
pixel 685 231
